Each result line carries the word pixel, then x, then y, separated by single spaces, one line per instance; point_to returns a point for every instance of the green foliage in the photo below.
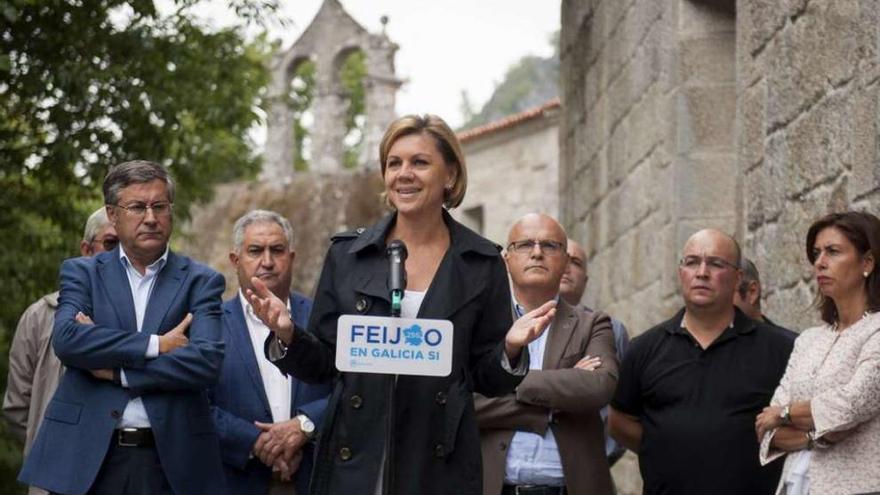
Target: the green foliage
pixel 88 84
pixel 351 76
pixel 530 82
pixel 302 89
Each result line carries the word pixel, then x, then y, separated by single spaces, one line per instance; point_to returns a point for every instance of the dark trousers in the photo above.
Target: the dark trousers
pixel 131 471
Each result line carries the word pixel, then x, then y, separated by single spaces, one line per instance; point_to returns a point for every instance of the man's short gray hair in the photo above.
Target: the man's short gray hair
pixel 97 221
pixel 750 273
pixel 259 216
pixel 134 172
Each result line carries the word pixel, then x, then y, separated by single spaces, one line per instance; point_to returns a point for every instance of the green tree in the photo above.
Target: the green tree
pixel 88 84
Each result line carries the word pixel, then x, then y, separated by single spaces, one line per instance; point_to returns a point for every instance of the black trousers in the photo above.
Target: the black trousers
pixel 131 471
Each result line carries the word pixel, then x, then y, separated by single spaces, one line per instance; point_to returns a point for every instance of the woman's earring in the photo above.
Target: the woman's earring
pixel 866 274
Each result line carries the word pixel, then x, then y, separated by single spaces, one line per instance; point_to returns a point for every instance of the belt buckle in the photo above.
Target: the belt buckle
pixel 123 443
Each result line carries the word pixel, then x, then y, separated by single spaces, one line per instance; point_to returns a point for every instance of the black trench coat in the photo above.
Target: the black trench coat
pixel 436 445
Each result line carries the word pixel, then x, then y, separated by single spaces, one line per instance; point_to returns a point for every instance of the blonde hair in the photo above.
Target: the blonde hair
pixel 446 141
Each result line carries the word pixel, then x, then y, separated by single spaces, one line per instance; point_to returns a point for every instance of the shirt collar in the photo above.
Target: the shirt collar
pixel 520 310
pixel 741 324
pixel 157 265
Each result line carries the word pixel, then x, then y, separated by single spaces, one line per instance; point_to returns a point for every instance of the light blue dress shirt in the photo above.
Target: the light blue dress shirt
pixel 533 459
pixel 135 416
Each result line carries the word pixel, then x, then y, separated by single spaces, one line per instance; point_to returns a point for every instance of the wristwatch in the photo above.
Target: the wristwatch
pixel 306 425
pixel 785 415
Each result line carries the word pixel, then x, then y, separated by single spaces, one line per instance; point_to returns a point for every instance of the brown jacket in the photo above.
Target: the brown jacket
pixel 573 396
pixel 34 372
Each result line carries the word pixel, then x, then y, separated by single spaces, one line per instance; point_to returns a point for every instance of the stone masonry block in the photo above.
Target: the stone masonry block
pixel 821 144
pixel 865 130
pixel 751 115
pixel 707 118
pixel 709 59
pixel 792 307
pixel 820 49
pixel 706 185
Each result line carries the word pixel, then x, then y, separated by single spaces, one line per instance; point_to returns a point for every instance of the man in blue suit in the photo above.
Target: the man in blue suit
pixel 265 419
pixel 131 414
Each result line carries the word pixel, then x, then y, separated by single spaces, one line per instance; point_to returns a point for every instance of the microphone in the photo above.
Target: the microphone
pixel 396 254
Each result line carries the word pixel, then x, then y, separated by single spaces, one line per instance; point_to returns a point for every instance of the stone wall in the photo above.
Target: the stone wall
pixel 752 116
pixel 647 146
pixel 511 172
pixel 807 90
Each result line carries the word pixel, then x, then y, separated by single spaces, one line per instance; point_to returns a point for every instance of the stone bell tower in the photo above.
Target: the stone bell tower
pixel 331 37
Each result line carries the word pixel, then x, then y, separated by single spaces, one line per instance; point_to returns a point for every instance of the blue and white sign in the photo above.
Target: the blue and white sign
pixel 395 346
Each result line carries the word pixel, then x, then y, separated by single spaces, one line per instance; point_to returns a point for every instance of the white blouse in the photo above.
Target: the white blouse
pixel 839 373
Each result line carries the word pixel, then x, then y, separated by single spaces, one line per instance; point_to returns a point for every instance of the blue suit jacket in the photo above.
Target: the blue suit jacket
pixel 80 419
pixel 239 399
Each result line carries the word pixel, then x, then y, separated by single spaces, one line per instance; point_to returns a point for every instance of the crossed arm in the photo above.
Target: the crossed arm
pixel 182 363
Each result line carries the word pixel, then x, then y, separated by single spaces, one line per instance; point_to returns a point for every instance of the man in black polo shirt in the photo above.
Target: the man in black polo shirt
pixel 690 388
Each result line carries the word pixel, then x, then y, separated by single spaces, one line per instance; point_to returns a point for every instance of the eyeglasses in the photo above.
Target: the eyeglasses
pixel 160 210
pixel 109 243
pixel 713 263
pixel 526 246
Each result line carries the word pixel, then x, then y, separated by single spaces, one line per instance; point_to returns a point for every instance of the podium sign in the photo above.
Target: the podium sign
pixel 395 346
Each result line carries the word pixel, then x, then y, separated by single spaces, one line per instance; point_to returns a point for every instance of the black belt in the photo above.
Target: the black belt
pixel 134 437
pixel 533 490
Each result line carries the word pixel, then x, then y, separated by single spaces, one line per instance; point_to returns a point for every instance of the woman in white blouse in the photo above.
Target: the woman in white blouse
pixel 824 414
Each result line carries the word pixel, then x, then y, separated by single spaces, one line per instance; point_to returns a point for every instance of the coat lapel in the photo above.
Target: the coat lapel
pixel 559 334
pixel 117 289
pixel 168 284
pixel 241 341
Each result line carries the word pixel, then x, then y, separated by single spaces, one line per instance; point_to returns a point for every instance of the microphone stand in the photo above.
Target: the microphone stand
pixel 397 253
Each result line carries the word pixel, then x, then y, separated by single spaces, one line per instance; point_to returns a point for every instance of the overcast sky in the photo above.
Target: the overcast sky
pixel 446 46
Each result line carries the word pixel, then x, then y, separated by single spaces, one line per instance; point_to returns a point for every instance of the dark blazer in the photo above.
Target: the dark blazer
pixel 573 396
pixel 79 421
pixel 435 447
pixel 239 399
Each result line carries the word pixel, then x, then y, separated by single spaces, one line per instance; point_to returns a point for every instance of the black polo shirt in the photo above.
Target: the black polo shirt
pixel 698 407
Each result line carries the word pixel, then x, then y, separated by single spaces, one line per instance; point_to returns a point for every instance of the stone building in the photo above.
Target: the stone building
pixel 330 38
pixel 753 116
pixel 513 169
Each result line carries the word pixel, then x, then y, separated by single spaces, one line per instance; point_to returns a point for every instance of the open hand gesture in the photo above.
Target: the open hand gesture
pixel 271 310
pixel 528 328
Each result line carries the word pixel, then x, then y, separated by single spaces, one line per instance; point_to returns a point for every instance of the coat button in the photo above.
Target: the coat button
pixel 361 305
pixel 440 398
pixel 438 450
pixel 360 230
pixel 345 453
pixel 115 414
pixel 356 401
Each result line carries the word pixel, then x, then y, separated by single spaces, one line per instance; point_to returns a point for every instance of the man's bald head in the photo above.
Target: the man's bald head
pixel 718 238
pixel 709 270
pixel 536 258
pixel 536 221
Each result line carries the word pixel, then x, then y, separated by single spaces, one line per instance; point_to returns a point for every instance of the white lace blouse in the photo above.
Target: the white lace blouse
pixel 839 373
